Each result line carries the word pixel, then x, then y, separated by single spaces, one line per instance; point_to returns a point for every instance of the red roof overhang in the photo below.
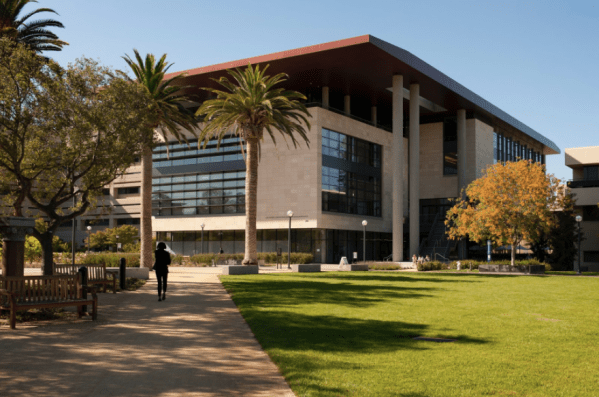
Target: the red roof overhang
pixel 362 67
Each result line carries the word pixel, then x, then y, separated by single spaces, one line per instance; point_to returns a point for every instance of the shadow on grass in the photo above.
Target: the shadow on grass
pixel 291 291
pixel 390 277
pixel 300 332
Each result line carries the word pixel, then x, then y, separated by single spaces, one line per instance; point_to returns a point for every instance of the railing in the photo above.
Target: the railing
pixel 576 183
pixel 446 260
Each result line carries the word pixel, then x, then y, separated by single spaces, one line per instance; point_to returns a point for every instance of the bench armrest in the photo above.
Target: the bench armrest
pixel 5 292
pixel 90 289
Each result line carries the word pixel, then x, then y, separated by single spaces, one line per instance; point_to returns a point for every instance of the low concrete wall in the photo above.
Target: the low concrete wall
pixel 234 270
pixel 305 268
pixel 534 269
pixel 135 272
pixel 354 268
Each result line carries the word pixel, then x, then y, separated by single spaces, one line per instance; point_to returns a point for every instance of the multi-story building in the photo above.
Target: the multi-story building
pixel 584 162
pixel 392 139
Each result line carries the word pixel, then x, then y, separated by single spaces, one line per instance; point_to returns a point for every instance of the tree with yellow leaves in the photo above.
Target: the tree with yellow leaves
pixel 510 203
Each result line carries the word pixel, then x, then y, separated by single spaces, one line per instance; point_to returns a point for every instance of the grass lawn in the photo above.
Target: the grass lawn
pixel 350 334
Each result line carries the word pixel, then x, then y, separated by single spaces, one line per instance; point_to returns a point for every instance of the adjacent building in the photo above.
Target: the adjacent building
pixel 584 162
pixel 392 139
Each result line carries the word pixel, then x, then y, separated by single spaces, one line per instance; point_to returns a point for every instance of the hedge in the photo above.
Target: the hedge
pixel 473 264
pixel 112 259
pixel 268 257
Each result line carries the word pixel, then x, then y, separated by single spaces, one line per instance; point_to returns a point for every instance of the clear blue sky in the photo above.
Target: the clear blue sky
pixel 536 60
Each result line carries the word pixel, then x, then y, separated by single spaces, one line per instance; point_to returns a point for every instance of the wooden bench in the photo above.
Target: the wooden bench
pixel 96 274
pixel 30 292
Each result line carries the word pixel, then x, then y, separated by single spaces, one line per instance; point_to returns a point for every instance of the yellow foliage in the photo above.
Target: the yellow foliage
pixel 511 202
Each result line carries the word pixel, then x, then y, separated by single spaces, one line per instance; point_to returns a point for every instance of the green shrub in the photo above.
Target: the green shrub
pixel 268 257
pixel 382 266
pixel 433 265
pixel 112 259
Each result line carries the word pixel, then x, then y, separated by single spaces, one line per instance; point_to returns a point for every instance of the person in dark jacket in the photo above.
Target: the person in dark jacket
pixel 163 259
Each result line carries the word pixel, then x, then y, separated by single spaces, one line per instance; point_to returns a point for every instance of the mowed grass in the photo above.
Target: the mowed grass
pixel 350 334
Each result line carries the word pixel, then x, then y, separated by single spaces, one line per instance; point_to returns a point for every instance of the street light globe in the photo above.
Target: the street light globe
pixel 364 223
pixel 116 236
pixel 578 218
pixel 202 225
pixel 89 228
pixel 290 213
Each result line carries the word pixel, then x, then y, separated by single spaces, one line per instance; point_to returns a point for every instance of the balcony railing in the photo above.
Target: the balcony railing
pixel 578 183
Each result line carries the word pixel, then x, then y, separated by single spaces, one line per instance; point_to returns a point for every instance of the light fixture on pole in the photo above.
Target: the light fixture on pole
pixel 364 223
pixel 578 220
pixel 117 243
pixel 89 230
pixel 290 215
pixel 202 246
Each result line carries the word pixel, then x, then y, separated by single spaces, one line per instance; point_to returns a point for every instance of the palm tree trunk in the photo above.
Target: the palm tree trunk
pixel 251 190
pixel 146 209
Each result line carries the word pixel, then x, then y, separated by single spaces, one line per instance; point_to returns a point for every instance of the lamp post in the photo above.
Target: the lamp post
pixel 89 230
pixel 221 242
pixel 290 215
pixel 117 243
pixel 578 220
pixel 364 223
pixel 202 246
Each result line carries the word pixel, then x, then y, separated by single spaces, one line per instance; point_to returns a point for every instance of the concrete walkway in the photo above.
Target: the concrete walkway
pixel 193 344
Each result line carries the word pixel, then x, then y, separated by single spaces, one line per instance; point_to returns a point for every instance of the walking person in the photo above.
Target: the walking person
pixel 163 259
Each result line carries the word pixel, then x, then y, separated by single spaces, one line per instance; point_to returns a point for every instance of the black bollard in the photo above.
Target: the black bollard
pixel 83 273
pixel 122 268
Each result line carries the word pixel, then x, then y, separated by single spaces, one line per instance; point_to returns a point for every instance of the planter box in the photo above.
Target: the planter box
pixel 135 272
pixel 228 262
pixel 233 270
pixel 354 268
pixel 533 269
pixel 305 268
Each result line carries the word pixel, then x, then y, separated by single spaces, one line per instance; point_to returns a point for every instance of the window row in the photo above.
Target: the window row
pixel 351 149
pixel 199 160
pixel 204 210
pixel 200 186
pixel 337 180
pixel 175 146
pixel 214 176
pixel 194 151
pixel 335 202
pixel 198 194
pixel 507 149
pixel 198 202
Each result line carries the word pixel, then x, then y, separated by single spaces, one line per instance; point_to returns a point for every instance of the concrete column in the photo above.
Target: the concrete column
pixel 461 150
pixel 462 164
pixel 346 105
pixel 325 97
pixel 398 158
pixel 414 168
pixel 373 115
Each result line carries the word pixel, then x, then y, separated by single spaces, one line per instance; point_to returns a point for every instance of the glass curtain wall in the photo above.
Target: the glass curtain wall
pixel 337 243
pixel 351 175
pixel 506 149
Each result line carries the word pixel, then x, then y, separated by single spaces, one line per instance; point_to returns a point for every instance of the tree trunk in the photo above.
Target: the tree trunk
pixel 513 254
pixel 251 190
pixel 47 253
pixel 146 209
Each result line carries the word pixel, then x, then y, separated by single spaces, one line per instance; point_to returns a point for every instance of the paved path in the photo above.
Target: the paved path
pixel 193 344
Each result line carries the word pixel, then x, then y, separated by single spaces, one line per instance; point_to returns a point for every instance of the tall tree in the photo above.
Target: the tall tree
pixel 563 236
pixel 172 120
pixel 511 202
pixel 64 134
pixel 34 34
pixel 247 109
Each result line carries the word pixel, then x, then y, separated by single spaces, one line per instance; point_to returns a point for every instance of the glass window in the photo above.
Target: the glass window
pixel 450 147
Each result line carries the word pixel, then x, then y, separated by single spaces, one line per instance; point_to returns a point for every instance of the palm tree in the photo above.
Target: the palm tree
pixel 172 119
pixel 246 110
pixel 33 33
